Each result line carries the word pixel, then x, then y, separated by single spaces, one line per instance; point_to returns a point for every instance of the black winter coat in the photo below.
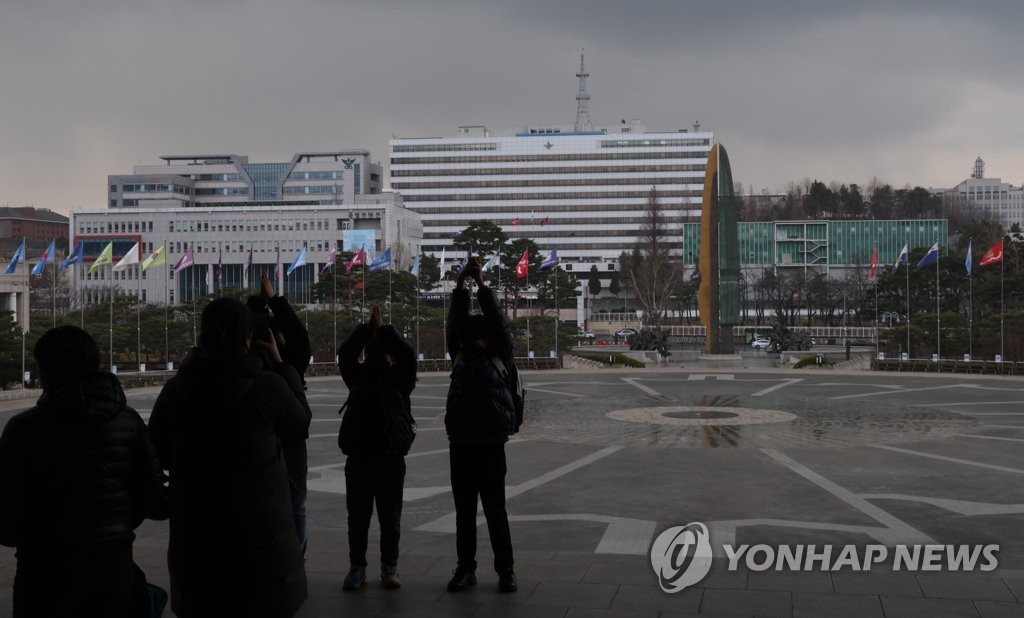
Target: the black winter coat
pixel 78 474
pixel 378 418
pixel 218 427
pixel 479 409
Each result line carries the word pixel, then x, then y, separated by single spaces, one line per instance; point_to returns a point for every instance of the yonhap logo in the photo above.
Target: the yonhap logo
pixel 681 556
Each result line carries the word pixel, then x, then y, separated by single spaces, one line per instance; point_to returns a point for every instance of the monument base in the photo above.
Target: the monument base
pixel 720 361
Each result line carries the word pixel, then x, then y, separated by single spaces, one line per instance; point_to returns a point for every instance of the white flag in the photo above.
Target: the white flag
pixel 132 257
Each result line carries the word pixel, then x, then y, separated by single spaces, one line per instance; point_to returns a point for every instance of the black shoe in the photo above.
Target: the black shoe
pixel 461 580
pixel 507 581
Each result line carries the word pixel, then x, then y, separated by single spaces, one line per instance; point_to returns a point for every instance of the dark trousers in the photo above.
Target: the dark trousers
pixel 479 470
pixel 369 479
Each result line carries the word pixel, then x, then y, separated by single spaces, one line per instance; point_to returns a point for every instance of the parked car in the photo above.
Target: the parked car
pixel 760 344
pixel 861 342
pixel 625 333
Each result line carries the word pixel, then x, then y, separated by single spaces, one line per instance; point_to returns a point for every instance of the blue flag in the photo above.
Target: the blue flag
pixel 383 261
pixel 415 270
pixel 18 256
pixel 76 256
pixel 901 259
pixel 968 261
pixel 932 257
pixel 550 260
pixel 300 260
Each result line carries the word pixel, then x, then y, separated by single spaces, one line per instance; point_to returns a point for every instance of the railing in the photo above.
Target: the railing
pixel 1008 368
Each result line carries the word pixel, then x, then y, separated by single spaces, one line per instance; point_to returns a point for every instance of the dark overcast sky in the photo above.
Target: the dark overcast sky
pixel 909 94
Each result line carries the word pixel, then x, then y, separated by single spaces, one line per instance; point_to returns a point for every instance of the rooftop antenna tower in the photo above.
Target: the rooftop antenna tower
pixel 583 101
pixel 979 169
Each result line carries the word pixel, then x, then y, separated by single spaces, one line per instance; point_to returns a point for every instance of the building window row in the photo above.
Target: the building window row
pixel 331 175
pixel 443 147
pixel 522 158
pixel 222 191
pixel 311 189
pixel 156 188
pixel 577 195
pixel 218 177
pixel 648 143
pixel 505 171
pixel 249 225
pixel 567 182
pixel 549 208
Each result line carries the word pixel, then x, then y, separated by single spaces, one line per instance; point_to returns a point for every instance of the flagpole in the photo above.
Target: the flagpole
pixel 908 301
pixel 1002 306
pixel 970 302
pixel 556 314
pixel 938 312
pixel 111 324
pixel 167 342
pixel 138 313
pixel 192 279
pixel 334 304
pixel 390 296
pixel 53 294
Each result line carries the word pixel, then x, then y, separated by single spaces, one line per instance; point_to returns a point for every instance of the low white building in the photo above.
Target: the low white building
pixel 222 237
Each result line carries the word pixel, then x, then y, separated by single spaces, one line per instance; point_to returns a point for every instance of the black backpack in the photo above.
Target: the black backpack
pixel 510 374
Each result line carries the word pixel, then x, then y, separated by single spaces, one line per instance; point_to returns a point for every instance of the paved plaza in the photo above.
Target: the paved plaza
pixel 608 459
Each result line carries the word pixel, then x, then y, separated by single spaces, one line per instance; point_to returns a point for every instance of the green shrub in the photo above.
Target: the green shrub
pixel 613 358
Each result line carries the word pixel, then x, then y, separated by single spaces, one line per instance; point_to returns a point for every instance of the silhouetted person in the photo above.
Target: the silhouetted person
pixel 218 426
pixel 78 474
pixel 376 434
pixel 273 311
pixel 480 417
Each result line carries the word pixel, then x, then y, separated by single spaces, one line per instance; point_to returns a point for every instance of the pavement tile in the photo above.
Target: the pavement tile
pixel 747 602
pixel 793 582
pixel 958 587
pixel 815 605
pixel 620 573
pixel 593 596
pixel 653 598
pixel 890 584
pixel 910 607
pixel 991 609
pixel 575 612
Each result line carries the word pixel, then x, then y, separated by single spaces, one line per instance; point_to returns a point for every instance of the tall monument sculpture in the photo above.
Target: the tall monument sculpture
pixel 718 299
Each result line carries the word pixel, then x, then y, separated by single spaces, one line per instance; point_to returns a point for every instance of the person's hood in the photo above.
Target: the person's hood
pixel 216 378
pixel 95 397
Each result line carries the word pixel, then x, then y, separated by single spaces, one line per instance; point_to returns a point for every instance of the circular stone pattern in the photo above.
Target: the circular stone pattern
pixel 701 415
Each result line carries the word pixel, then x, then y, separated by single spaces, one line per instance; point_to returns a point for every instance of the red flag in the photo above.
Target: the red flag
pixel 874 262
pixel 544 221
pixel 358 260
pixel 515 221
pixel 993 255
pixel 522 267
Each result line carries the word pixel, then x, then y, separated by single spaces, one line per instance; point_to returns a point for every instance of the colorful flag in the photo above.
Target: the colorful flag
pixel 132 257
pixel 469 254
pixel 105 257
pixel 277 264
pixel 357 260
pixel 993 255
pixel 157 258
pixel 248 263
pixel 900 259
pixel 185 261
pixel 18 256
pixel 515 221
pixel 220 268
pixel 969 258
pixel 333 255
pixel 76 256
pixel 522 266
pixel 415 270
pixel 932 257
pixel 383 261
pixel 48 255
pixel 544 221
pixel 874 262
pixel 550 260
pixel 300 260
pixel 37 270
pixel 491 263
pixel 441 267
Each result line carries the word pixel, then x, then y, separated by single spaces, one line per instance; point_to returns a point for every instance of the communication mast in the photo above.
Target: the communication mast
pixel 583 101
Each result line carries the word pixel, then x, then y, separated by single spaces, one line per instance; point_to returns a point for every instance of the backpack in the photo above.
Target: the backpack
pixel 510 375
pixel 362 417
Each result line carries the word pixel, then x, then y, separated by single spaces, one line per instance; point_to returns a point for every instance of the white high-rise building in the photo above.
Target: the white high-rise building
pixel 1001 201
pixel 581 192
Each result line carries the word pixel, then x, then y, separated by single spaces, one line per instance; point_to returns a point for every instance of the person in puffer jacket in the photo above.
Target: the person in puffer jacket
pixel 78 474
pixel 218 427
pixel 376 433
pixel 480 416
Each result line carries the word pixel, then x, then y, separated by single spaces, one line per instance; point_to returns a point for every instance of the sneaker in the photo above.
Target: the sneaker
pixel 389 577
pixel 461 580
pixel 507 581
pixel 355 579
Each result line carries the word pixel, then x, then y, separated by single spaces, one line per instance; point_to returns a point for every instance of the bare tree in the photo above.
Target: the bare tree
pixel 653 268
